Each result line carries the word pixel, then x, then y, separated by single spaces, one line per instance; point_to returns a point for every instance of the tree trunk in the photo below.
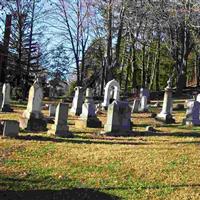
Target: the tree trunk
pixel 109 75
pixel 143 66
pixel 3 69
pixel 134 66
pixel 158 64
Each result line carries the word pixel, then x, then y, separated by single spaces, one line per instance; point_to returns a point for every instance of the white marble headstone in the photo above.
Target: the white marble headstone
pixel 112 90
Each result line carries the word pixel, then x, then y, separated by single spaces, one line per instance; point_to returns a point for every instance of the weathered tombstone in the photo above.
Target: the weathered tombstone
pixel 10 128
pixel 198 98
pixel 5 107
pixel 32 118
pixel 60 127
pixel 143 104
pixel 136 105
pixel 77 102
pixel 144 92
pixel 88 116
pixel 166 114
pixel 112 90
pixel 192 113
pixel 52 110
pixel 52 92
pixel 14 92
pixel 118 118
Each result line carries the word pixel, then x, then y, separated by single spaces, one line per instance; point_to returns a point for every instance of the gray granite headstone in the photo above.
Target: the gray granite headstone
pixel 166 114
pixel 10 128
pixel 118 118
pixel 52 110
pixel 192 113
pixel 136 105
pixel 88 116
pixel 5 107
pixel 60 127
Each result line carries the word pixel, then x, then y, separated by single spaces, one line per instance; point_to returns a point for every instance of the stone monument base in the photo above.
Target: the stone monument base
pixel 116 130
pixel 59 130
pixel 91 122
pixel 117 133
pixel 33 124
pixel 166 118
pixel 6 108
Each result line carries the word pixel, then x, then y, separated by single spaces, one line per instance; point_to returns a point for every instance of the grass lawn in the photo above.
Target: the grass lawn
pixel 163 165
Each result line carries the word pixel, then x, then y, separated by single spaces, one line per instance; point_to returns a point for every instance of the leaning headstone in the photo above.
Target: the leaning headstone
pixel 143 104
pixel 5 107
pixel 112 90
pixel 88 116
pixel 60 127
pixel 192 113
pixel 166 114
pixel 52 110
pixel 136 105
pixel 32 119
pixel 77 102
pixel 10 128
pixel 118 118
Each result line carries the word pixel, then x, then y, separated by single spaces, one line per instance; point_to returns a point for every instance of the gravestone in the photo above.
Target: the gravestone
pixel 144 92
pixel 166 114
pixel 192 113
pixel 10 128
pixel 112 90
pixel 32 119
pixel 143 104
pixel 88 116
pixel 77 102
pixel 5 107
pixel 136 105
pixel 52 110
pixel 198 98
pixel 118 118
pixel 60 127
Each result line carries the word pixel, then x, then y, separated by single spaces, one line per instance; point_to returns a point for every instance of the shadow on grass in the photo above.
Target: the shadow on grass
pixel 78 140
pixel 175 134
pixel 66 194
pixel 187 142
pixel 78 193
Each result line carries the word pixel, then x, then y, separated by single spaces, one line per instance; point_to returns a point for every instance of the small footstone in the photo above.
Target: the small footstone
pixel 150 129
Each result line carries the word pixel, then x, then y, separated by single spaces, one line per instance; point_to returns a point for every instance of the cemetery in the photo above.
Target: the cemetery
pixel 124 125
pixel 112 148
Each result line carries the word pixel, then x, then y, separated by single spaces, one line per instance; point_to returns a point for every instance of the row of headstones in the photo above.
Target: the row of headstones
pixel 118 115
pixel 7 127
pixel 192 108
